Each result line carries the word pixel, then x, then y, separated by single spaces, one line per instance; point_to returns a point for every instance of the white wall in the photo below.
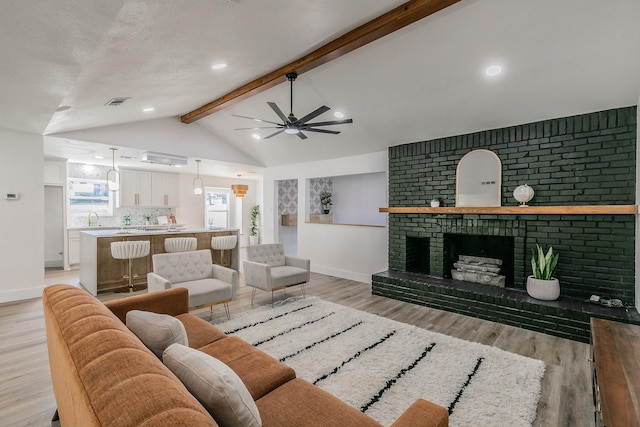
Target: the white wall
pixel 351 252
pixel 22 221
pixel 191 209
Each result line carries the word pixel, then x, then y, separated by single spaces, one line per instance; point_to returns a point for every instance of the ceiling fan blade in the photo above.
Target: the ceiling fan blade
pixel 313 114
pixel 260 127
pixel 257 120
pixel 301 135
pixel 335 132
pixel 278 111
pixel 333 122
pixel 274 134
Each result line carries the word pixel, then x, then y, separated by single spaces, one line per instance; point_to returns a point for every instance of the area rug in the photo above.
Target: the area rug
pixel 381 366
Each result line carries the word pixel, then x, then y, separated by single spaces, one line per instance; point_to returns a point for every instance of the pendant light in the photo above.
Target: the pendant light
pixel 239 190
pixel 198 183
pixel 113 176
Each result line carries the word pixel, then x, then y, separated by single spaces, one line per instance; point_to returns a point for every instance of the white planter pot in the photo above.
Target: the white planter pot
pixel 253 240
pixel 547 290
pixel 435 204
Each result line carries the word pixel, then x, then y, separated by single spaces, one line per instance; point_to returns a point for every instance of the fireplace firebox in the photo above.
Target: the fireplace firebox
pixel 497 247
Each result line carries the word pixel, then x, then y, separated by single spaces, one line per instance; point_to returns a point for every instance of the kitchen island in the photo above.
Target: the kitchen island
pixel 100 272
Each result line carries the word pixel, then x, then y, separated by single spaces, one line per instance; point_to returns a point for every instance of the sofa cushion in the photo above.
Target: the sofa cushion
pixel 286 276
pixel 199 331
pixel 313 407
pixel 156 331
pixel 214 384
pixel 260 372
pixel 203 291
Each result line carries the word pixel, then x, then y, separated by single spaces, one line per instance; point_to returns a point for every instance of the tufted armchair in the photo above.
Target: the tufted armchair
pixel 208 284
pixel 269 269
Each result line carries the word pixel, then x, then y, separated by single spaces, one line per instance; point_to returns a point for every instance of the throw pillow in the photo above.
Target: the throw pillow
pixel 156 331
pixel 215 385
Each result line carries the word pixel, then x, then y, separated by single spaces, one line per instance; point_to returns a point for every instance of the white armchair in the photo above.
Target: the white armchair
pixel 269 269
pixel 208 284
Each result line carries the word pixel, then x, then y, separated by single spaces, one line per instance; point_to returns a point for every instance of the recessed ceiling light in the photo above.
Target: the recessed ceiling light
pixel 256 136
pixel 148 109
pixel 339 114
pixel 493 70
pixel 219 66
pixel 178 166
pixel 98 157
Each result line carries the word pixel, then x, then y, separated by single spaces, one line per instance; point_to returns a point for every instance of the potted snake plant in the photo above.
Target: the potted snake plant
pixel 541 284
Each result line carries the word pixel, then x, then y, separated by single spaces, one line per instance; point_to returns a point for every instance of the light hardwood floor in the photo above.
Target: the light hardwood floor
pixel 26 396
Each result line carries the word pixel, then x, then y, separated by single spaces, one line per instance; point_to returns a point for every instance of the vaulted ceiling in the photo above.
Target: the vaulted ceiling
pixel 427 80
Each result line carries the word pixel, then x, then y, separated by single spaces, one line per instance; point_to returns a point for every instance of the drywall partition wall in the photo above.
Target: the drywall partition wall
pixel 22 231
pixel 351 252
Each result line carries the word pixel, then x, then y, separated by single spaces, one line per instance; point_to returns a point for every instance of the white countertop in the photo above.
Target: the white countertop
pixel 126 227
pixel 110 232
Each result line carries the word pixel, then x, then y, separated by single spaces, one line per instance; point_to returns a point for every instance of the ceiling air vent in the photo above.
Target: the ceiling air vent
pixel 163 159
pixel 114 102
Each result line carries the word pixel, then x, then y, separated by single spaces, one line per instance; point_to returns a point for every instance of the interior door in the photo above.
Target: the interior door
pixel 53 227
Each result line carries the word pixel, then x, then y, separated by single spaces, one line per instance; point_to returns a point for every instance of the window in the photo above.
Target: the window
pixel 216 207
pixel 85 196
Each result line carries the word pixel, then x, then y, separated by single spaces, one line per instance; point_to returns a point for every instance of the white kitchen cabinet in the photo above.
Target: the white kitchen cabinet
pixel 135 188
pixel 165 189
pixel 74 247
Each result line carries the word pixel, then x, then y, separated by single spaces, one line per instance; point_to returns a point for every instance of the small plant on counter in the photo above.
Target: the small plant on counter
pixel 325 201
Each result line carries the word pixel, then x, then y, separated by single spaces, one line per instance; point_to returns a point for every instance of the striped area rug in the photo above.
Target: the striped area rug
pixel 381 366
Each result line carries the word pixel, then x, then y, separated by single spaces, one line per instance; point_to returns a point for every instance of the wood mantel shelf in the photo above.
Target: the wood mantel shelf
pixel 517 210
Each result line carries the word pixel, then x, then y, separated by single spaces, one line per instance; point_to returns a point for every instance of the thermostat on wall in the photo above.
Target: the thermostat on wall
pixel 12 196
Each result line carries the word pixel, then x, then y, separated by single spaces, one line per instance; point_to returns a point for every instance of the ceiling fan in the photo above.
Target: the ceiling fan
pixel 292 125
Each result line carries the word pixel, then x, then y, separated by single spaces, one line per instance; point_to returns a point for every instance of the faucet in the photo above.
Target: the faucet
pixel 97 217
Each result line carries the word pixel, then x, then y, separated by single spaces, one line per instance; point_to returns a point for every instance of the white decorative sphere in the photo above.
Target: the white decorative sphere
pixel 523 194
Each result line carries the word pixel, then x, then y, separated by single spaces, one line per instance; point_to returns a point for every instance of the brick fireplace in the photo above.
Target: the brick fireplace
pixel 580 160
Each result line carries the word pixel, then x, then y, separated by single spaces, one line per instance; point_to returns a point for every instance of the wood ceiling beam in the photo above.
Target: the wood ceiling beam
pixel 379 27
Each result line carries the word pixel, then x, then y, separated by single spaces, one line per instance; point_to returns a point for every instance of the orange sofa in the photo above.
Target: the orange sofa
pixel 103 375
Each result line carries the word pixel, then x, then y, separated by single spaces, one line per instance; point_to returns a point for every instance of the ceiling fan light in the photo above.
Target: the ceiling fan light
pixel 292 130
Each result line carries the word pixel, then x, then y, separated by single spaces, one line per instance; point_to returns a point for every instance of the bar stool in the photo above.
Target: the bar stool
pixel 130 250
pixel 180 244
pixel 223 243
